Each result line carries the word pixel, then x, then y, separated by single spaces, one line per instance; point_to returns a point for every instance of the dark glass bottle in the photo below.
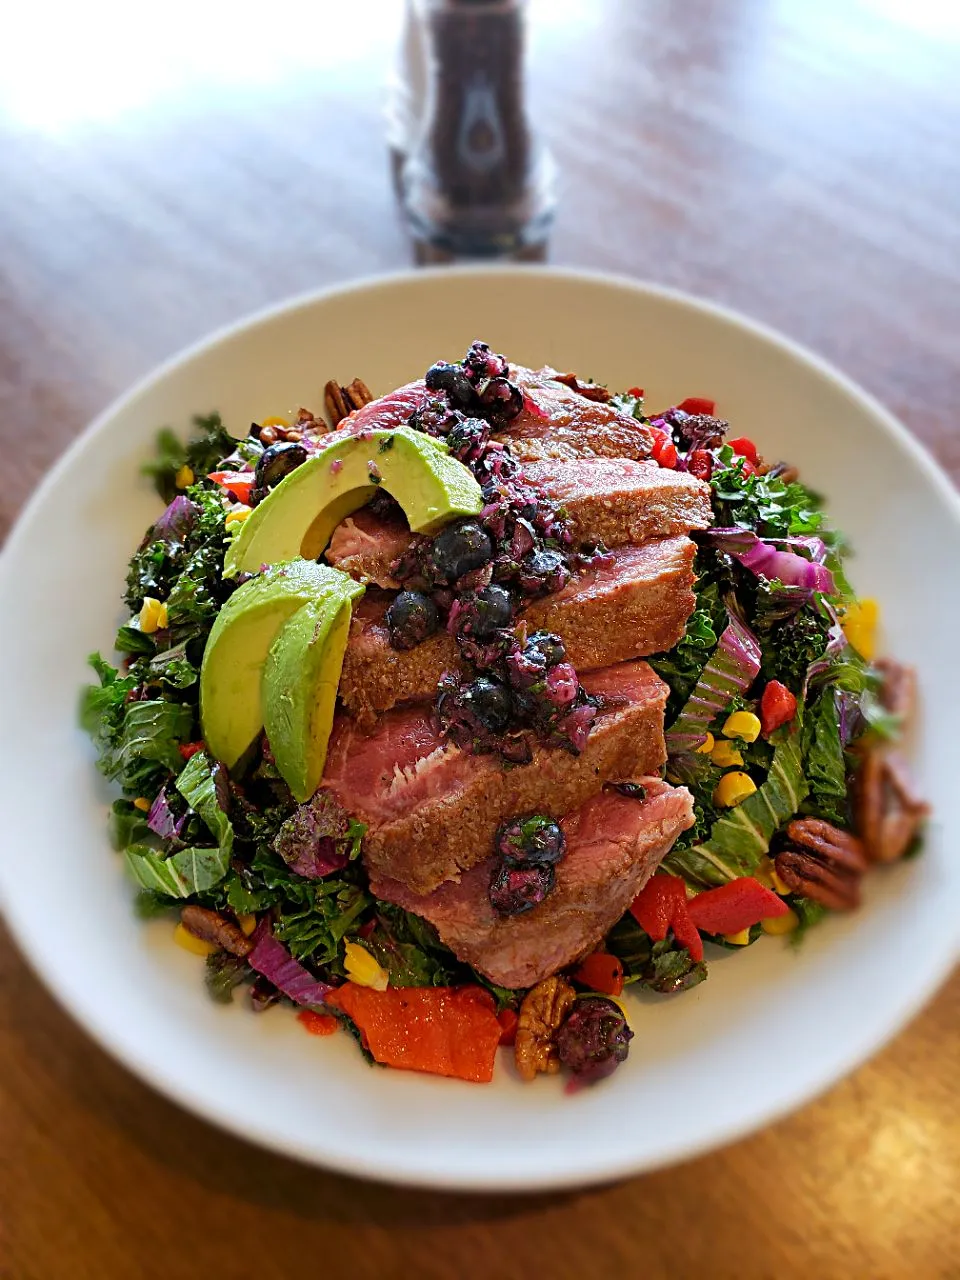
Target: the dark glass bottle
pixel 477 184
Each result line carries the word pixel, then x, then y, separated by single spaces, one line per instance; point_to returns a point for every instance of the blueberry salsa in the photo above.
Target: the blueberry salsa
pixel 475 575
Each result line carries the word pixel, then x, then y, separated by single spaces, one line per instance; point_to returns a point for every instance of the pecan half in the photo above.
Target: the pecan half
pixel 212 927
pixel 780 471
pixel 822 862
pixel 544 1008
pixel 888 811
pixel 898 690
pixel 341 401
pixel 589 390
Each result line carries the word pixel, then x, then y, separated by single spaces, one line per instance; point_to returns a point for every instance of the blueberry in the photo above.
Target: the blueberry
pixel 543 573
pixel 277 462
pixel 545 649
pixel 514 890
pixel 489 702
pixel 492 611
pixel 531 841
pixel 460 547
pixel 595 1038
pixel 502 400
pixel 451 379
pixel 411 618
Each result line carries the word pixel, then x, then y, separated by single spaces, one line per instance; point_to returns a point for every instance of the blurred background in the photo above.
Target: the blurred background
pixel 166 169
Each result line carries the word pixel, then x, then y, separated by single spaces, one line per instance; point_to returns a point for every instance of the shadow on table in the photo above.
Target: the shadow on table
pixel 192 1149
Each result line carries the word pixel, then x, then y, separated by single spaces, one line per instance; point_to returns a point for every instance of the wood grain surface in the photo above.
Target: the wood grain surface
pixel 163 171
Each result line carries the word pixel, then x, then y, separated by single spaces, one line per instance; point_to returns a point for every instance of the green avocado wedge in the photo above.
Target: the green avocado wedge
pixel 231 708
pixel 298 517
pixel 300 679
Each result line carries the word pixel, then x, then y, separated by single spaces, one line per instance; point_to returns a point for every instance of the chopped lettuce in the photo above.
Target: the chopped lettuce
pixel 663 966
pixel 195 869
pixel 741 836
pixel 823 762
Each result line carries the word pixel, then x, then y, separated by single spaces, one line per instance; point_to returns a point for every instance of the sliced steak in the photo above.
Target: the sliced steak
pixel 557 422
pixel 618 501
pixel 614 845
pixel 365 546
pixel 432 810
pixel 635 606
pixel 612 500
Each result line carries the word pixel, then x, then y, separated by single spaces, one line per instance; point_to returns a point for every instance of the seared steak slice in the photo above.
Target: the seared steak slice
pixel 612 500
pixel 432 810
pixel 614 845
pixel 557 422
pixel 618 501
pixel 637 605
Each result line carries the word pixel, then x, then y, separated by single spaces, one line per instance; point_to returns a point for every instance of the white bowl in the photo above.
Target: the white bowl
pixel 770 1028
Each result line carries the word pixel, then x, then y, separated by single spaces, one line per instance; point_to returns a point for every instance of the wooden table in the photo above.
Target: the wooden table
pixel 163 175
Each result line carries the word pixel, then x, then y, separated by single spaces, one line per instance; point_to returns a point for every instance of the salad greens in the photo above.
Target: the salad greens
pixel 240 845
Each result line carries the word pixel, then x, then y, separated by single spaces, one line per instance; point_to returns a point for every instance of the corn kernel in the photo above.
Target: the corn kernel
pixel 247 923
pixel 153 615
pixel 273 422
pixel 236 515
pixel 778 925
pixel 740 939
pixel 742 724
pixel 707 746
pixel 732 789
pixel 143 804
pixel 184 938
pixel 362 968
pixel 859 622
pixel 726 755
pixel 766 873
pixel 184 477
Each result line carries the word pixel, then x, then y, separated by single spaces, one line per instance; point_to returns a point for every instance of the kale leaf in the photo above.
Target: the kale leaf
pixel 201 454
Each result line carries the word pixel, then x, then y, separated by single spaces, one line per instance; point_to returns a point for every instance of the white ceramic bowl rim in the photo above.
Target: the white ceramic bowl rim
pixel 931 967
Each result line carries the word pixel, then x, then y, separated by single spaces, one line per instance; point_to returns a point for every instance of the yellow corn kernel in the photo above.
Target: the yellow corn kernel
pixel 742 724
pixel 740 939
pixel 247 923
pixel 184 477
pixel 184 938
pixel 732 788
pixel 726 755
pixel 766 873
pixel 859 622
pixel 363 968
pixel 707 746
pixel 236 515
pixel 778 925
pixel 273 422
pixel 143 804
pixel 153 615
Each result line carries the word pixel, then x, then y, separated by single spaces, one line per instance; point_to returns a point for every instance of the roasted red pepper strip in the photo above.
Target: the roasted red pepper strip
pixel 443 1030
pixel 636 392
pixel 601 972
pixel 239 483
pixel 318 1024
pixel 508 1022
pixel 188 749
pixel 746 448
pixel 700 464
pixel 778 706
pixel 664 450
pixel 661 905
pixel 697 404
pixel 735 906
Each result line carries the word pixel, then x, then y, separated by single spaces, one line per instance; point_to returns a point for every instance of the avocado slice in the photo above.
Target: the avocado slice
pixel 231 709
pixel 298 517
pixel 299 688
